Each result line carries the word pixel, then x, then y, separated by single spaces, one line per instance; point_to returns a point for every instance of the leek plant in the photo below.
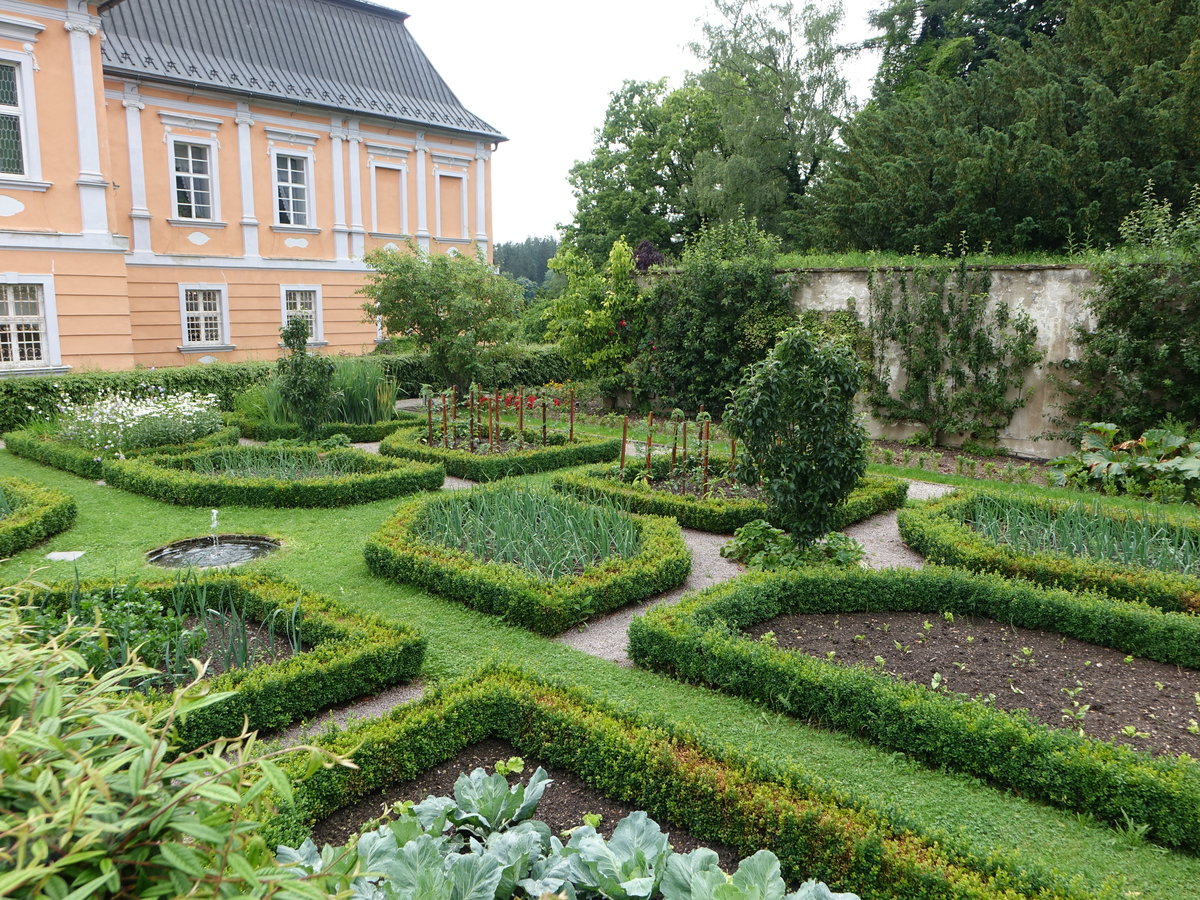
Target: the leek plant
pixel 363 394
pixel 6 508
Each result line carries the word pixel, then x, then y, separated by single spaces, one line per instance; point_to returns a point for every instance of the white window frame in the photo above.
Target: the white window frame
pixel 309 186
pixel 31 151
pixel 51 347
pixel 213 175
pixel 439 174
pixel 402 168
pixel 225 342
pixel 318 329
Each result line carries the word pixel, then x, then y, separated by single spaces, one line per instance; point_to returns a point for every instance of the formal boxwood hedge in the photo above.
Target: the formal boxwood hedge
pixel 346 655
pixel 49 450
pixel 37 513
pixel 545 606
pixel 375 431
pixel 874 494
pixel 938 532
pixel 700 640
pixel 365 477
pixel 408 443
pixel 675 775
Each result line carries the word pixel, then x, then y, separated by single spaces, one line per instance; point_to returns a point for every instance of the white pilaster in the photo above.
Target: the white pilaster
pixel 422 192
pixel 482 155
pixel 358 234
pixel 93 189
pixel 341 233
pixel 249 221
pixel 140 212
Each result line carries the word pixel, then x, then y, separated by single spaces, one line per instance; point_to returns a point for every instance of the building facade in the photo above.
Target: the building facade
pixel 178 178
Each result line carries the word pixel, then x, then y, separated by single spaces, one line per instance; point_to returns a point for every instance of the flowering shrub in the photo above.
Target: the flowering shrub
pixel 119 422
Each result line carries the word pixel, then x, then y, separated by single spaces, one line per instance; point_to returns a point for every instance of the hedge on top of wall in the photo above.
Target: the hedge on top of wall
pixel 512 365
pixel 700 639
pixel 49 450
pixel 37 513
pixel 346 655
pixel 675 775
pixel 938 532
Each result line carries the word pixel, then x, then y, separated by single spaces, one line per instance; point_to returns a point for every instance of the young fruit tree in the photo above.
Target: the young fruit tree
pixel 794 414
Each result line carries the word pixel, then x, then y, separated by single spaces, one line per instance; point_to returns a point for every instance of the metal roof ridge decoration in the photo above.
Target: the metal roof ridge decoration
pixel 348 55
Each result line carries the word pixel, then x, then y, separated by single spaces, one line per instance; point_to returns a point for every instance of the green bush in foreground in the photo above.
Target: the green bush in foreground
pixel 699 639
pixel 50 450
pixel 30 513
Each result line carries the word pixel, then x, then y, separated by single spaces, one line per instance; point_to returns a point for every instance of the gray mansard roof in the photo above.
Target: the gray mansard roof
pixel 347 55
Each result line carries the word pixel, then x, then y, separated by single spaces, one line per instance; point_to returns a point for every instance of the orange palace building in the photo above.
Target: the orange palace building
pixel 180 177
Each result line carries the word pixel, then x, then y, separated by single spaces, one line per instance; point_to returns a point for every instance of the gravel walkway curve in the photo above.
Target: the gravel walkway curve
pixel 880 536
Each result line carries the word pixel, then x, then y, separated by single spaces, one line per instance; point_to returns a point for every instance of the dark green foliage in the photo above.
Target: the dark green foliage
pixel 1160 465
pixel 547 607
pixel 197 479
pixel 526 259
pixel 45 448
pixel 794 413
pixel 305 382
pixel 705 322
pixel 938 532
pixel 1140 360
pixel 698 639
pixel 873 494
pixel 674 775
pixel 408 443
pixel 265 431
pixel 962 361
pixel 347 655
pixel 33 513
pixel 504 366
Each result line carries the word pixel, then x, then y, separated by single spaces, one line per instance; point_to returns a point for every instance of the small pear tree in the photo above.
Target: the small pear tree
pixel 305 382
pixel 794 414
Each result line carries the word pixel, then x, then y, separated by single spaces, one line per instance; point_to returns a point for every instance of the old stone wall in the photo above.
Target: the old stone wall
pixel 1054 296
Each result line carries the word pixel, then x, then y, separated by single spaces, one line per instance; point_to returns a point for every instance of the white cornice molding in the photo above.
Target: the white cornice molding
pixel 82 28
pixel 287 136
pixel 376 148
pixel 23 30
pixel 192 122
pixel 448 159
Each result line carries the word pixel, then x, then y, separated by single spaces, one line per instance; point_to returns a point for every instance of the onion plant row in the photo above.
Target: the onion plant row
pixel 281 464
pixel 545 534
pixel 1085 529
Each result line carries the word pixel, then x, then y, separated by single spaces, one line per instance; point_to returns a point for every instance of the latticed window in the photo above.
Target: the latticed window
pixel 301 303
pixel 12 152
pixel 202 316
pixel 291 189
pixel 193 181
pixel 22 325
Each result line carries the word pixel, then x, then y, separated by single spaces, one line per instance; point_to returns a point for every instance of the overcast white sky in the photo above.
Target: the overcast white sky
pixel 541 72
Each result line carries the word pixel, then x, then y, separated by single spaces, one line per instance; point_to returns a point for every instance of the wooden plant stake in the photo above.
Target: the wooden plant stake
pixel 704 451
pixel 685 442
pixel 445 423
pixel 732 453
pixel 649 440
pixel 543 421
pixel 571 435
pixel 624 439
pixel 429 419
pixel 498 408
pixel 520 411
pixel 470 416
pixel 674 446
pixel 491 431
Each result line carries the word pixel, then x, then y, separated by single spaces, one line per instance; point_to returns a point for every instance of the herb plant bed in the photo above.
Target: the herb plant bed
pixel 263 476
pixel 526 456
pixel 513 569
pixel 700 639
pixel 50 450
pixel 722 512
pixel 346 654
pixel 30 513
pixel 1061 682
pixel 942 533
pixel 259 430
pixel 670 773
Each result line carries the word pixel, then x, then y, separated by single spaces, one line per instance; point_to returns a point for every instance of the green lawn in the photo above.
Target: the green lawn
pixel 323 551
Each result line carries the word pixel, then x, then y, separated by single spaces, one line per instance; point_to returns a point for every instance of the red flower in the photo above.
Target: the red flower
pixel 557 402
pixel 622 323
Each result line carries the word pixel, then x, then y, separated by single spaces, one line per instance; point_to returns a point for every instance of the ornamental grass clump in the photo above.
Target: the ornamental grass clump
pixel 6 506
pixel 120 422
pixel 1086 529
pixel 363 394
pixel 548 535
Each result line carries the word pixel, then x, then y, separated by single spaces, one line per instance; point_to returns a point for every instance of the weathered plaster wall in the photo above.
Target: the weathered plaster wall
pixel 1054 296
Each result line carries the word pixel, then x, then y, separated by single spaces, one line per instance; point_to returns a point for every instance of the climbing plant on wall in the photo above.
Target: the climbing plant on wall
pixel 942 356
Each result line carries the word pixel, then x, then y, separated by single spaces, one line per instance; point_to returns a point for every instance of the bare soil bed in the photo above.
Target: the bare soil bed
pixel 262 648
pixel 562 806
pixel 692 484
pixel 1060 681
pixel 947 462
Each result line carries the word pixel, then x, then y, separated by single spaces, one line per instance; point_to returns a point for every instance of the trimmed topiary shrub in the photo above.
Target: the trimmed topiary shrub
pixel 30 513
pixel 50 450
pixel 267 431
pixel 264 476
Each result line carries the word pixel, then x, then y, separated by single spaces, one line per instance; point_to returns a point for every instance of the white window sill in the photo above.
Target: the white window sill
pixel 196 223
pixel 206 348
pixel 9 183
pixel 295 229
pixel 7 370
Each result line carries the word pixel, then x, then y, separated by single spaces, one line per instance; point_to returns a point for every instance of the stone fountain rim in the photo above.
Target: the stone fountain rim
pixel 262 540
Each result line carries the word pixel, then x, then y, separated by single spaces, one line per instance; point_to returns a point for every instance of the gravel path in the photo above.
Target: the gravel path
pixel 362 708
pixel 880 535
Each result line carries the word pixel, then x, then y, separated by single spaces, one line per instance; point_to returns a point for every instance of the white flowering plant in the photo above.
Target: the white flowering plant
pixel 117 423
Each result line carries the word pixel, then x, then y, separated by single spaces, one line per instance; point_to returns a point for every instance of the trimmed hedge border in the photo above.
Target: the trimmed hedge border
pixel 406 443
pixel 547 607
pixel 937 531
pixel 873 494
pixel 672 773
pixel 49 451
pixel 376 431
pixel 173 480
pixel 37 513
pixel 699 640
pixel 348 655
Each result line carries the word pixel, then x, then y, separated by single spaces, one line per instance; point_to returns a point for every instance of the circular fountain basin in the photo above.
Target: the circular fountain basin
pixel 216 552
